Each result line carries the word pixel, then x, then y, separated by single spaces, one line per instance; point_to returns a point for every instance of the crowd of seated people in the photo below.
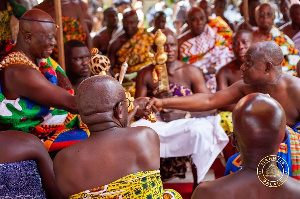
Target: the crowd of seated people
pixel 231 90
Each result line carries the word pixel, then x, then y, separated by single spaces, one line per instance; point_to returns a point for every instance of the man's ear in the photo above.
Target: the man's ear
pixel 27 37
pixel 269 66
pixel 118 111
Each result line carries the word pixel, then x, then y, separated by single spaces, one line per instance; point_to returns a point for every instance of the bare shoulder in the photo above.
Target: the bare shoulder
pixel 20 146
pixel 293 86
pixel 118 42
pixel 145 72
pixel 18 70
pixel 143 136
pixel 102 32
pixel 144 131
pixel 189 69
pixel 227 68
pixel 204 190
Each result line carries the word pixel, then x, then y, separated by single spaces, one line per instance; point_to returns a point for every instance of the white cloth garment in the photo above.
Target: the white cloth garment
pixel 202 138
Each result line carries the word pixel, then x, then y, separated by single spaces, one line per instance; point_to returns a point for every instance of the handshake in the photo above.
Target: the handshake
pixel 145 107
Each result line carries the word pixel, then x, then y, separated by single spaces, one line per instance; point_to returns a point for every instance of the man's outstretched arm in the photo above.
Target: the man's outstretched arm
pixel 201 101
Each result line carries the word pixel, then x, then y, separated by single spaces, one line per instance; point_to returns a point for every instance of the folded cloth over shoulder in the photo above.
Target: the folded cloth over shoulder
pixel 143 184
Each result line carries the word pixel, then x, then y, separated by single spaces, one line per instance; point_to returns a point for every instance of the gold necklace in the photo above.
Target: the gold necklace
pixel 16 58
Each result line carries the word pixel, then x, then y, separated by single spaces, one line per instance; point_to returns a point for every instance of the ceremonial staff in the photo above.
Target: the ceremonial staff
pixel 60 41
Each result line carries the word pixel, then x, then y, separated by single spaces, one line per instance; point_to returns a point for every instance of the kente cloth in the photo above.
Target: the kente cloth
pixel 289 150
pixel 5 31
pixel 136 51
pixel 55 127
pixel 202 138
pixel 296 40
pixel 206 50
pixel 290 53
pixel 226 122
pixel 295 150
pixel 72 29
pixel 19 180
pixel 222 28
pixel 143 184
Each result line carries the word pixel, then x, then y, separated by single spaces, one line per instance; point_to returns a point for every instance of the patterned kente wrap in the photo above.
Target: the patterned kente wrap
pixel 290 53
pixel 136 51
pixel 5 31
pixel 288 150
pixel 55 127
pixel 143 184
pixel 72 29
pixel 20 180
pixel 222 28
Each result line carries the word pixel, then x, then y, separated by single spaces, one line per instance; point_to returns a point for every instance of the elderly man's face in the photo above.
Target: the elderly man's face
pixel 240 45
pixel 197 22
pixel 130 24
pixel 253 70
pixel 171 48
pixel 264 17
pixel 43 39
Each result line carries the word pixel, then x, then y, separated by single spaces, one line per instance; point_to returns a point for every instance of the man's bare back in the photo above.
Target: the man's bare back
pixel 105 157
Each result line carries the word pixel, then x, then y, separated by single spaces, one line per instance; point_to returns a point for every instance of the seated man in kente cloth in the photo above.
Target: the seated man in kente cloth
pixel 132 46
pixel 182 134
pixel 31 101
pixel 228 75
pixel 216 23
pixel 201 46
pixel 116 161
pixel 259 128
pixel 261 72
pixel 265 15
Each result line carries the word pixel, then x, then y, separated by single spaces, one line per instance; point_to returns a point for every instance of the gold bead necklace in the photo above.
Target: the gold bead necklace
pixel 16 58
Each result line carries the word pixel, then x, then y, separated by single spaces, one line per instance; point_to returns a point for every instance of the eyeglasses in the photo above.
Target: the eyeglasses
pixel 128 103
pixel 268 14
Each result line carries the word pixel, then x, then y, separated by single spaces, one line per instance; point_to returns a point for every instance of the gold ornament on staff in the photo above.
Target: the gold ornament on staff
pixel 160 73
pixel 99 64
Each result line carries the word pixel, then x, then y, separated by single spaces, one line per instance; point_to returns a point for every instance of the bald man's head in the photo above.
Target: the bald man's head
pixel 37 34
pixel 33 19
pixel 171 46
pixel 267 51
pixel 258 122
pixel 196 20
pixel 264 16
pixel 98 94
